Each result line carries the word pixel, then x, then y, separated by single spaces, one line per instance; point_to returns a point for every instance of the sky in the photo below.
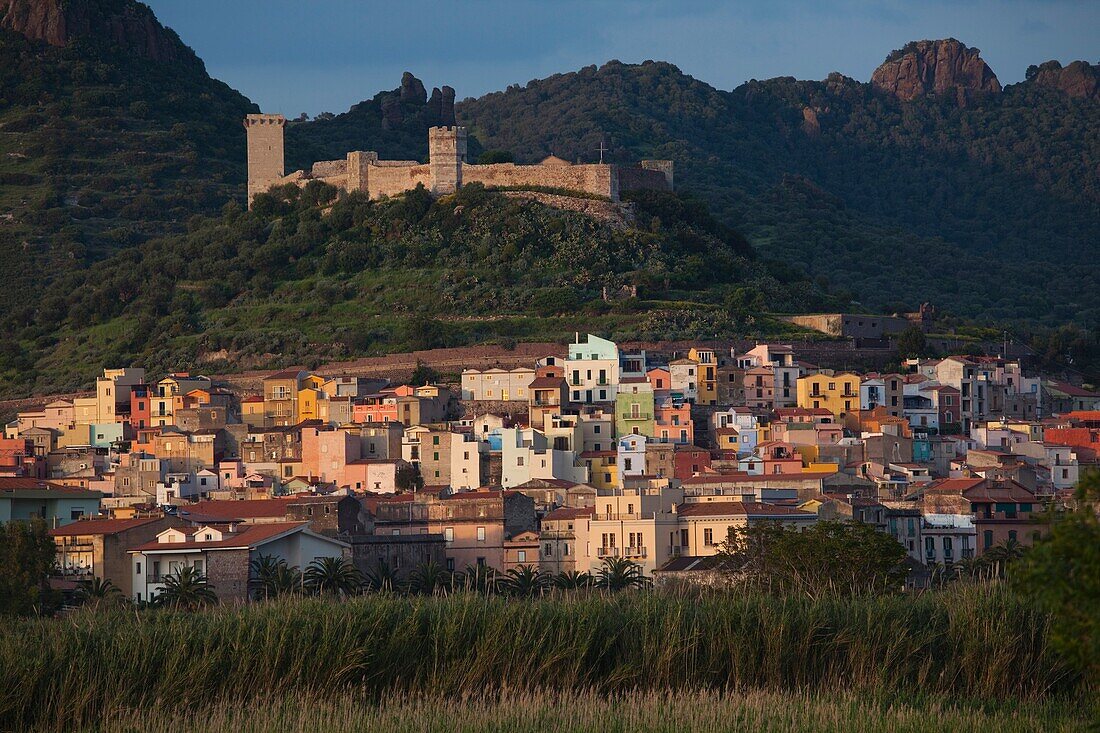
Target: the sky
pixel 294 56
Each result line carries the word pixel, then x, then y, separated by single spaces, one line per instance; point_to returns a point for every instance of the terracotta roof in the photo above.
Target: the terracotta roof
pixel 743 478
pixel 1072 390
pixel 285 374
pixel 84 527
pixel 252 398
pixel 12 484
pixel 953 485
pixel 546 382
pixel 738 508
pixel 569 513
pixel 246 509
pixel 253 535
pixel 1082 415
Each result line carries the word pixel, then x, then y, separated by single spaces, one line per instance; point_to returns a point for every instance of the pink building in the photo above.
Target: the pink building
pixel 672 423
pixel 375 408
pixel 326 453
pixel 378 475
pixel 779 457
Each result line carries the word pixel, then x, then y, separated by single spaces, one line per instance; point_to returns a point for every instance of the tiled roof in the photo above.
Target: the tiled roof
pixel 12 484
pixel 246 509
pixel 738 508
pixel 253 535
pixel 569 513
pixel 285 374
pixel 546 382
pixel 84 527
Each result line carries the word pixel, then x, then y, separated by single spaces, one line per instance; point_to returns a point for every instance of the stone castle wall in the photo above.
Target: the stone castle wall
pixel 594 178
pixel 445 172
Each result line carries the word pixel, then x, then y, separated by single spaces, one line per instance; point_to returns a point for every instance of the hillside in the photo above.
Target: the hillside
pixel 111 132
pixel 976 207
pixel 305 278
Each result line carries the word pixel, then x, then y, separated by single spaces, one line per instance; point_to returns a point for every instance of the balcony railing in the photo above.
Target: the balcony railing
pixel 635 552
pixel 624 517
pixel 607 552
pixel 636 416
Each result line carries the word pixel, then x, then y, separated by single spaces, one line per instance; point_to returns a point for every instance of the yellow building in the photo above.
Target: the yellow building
pixel 310 394
pixel 837 393
pixel 707 389
pixel 603 470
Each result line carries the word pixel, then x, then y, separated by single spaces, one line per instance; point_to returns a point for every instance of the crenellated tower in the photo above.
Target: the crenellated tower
pixel 265 152
pixel 446 155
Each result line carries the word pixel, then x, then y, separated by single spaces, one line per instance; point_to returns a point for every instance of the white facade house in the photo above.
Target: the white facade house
pixel 592 370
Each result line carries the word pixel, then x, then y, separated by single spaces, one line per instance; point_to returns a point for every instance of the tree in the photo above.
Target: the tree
pixel 827 558
pixel 476 579
pixel 428 578
pixel 525 582
pixel 26 559
pixel 382 579
pixel 334 576
pixel 1062 572
pixel 912 344
pixel 188 589
pixel 496 156
pixel 408 478
pixel 618 573
pixel 573 580
pixel 271 577
pixel 423 374
pixel 98 590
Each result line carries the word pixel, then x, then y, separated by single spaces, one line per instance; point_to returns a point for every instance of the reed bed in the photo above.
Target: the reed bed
pixel 588 711
pixel 979 643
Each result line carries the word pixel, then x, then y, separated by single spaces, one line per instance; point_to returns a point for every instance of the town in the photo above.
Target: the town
pixel 594 455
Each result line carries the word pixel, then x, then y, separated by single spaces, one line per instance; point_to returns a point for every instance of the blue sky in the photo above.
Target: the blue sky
pixel 296 56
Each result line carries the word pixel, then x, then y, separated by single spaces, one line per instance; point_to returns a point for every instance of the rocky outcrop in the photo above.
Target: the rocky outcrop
pixel 1080 79
pixel 945 67
pixel 412 90
pixel 128 25
pixel 441 107
pixel 810 124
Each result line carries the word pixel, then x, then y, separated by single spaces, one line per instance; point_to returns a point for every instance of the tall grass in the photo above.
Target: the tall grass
pixel 637 712
pixel 974 642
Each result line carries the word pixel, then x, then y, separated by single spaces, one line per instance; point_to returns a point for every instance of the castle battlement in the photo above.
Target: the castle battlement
pixel 445 172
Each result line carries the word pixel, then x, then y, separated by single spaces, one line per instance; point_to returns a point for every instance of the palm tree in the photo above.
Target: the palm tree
pixel 335 575
pixel 1003 555
pixel 271 577
pixel 476 579
pixel 427 578
pixel 572 580
pixel 618 573
pixel 525 582
pixel 381 579
pixel 98 590
pixel 186 588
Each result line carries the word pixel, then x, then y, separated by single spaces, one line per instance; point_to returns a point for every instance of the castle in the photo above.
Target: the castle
pixel 445 171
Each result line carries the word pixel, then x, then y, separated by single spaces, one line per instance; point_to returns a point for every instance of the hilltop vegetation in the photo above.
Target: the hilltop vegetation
pixel 101 150
pixel 306 276
pixel 977 208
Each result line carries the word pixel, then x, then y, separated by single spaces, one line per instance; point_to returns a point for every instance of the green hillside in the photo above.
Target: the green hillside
pixel 305 277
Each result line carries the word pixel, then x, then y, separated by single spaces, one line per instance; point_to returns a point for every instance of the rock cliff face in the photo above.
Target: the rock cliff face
pixel 124 23
pixel 935 67
pixel 1079 79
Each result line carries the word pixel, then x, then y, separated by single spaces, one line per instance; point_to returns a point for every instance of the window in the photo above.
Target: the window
pixel 628 464
pixel 449 534
pixel 930 547
pixel 521 556
pixel 1012 535
pixel 76 514
pixel 548 550
pixel 435 440
pixel 137 568
pixel 450 564
pixel 208 537
pixel 987 539
pixel 708 536
pixel 480 534
pixel 595 429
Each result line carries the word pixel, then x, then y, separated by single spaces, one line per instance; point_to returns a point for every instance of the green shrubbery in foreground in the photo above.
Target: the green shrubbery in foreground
pixel 969 642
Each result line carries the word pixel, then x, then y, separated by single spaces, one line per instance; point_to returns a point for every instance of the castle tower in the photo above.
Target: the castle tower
pixel 265 152
pixel 446 154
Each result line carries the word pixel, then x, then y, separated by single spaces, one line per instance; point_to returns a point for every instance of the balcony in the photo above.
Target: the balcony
pixel 546 401
pixel 622 517
pixel 635 552
pixel 607 552
pixel 637 416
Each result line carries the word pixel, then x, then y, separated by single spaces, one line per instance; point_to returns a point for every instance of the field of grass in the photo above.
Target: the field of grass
pixel 972 644
pixel 586 711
